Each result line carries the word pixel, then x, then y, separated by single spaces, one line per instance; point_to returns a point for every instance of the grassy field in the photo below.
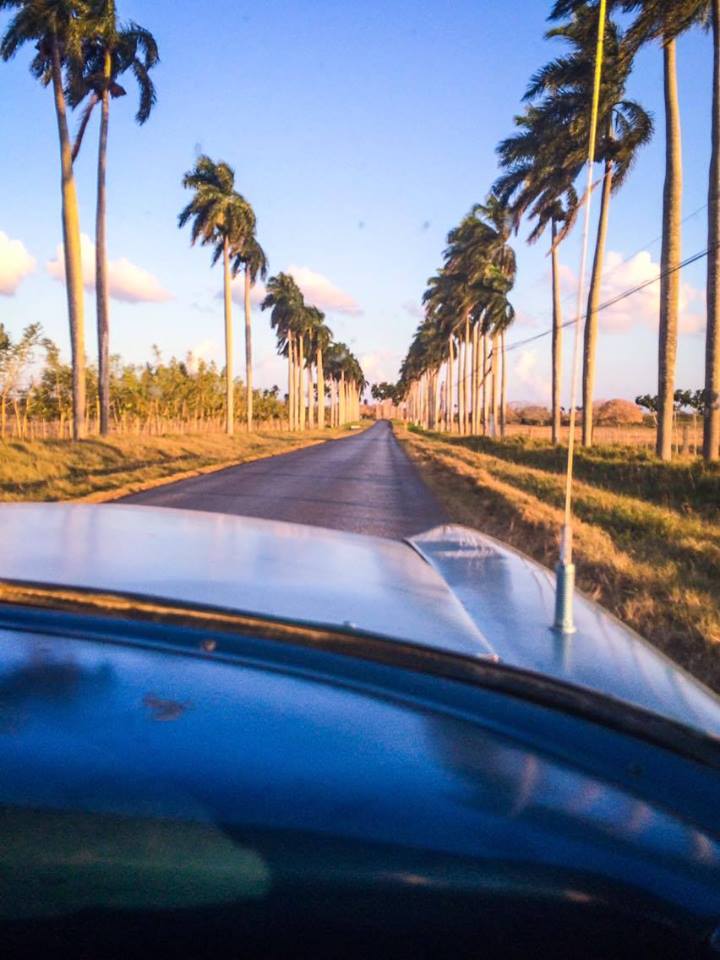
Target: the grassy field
pixel 98 469
pixel 647 541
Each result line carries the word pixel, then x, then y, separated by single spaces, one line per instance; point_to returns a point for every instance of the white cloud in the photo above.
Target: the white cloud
pixel 127 282
pixel 526 380
pixel 317 289
pixel 206 350
pixel 237 291
pixel 15 264
pixel 642 307
pixel 379 365
pixel 321 292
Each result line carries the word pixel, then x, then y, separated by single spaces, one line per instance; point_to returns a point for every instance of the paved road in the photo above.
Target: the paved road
pixel 363 483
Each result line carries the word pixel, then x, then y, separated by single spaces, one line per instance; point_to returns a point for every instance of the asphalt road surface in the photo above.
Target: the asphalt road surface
pixel 364 483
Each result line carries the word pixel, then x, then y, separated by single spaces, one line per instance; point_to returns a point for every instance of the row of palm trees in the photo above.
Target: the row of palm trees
pixel 222 218
pixel 317 365
pixel 82 50
pixel 542 160
pixel 457 356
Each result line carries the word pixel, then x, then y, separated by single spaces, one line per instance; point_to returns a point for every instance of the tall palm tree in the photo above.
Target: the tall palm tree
pixel 623 127
pixel 541 163
pixel 284 298
pixel 110 51
pixel 663 21
pixel 711 426
pixel 57 28
pixel 319 338
pixel 253 261
pixel 222 219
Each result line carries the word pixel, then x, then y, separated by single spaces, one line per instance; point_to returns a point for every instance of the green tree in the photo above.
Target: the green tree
pixel 251 257
pixel 56 29
pixel 285 301
pixel 540 169
pixel 224 220
pixel 623 128
pixel 111 50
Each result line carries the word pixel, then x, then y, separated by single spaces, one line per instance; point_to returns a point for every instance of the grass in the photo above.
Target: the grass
pixel 101 469
pixel 647 537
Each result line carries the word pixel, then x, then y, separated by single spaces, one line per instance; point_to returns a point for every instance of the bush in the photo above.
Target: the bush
pixel 617 413
pixel 534 415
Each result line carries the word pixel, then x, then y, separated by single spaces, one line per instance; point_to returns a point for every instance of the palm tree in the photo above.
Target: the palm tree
pixel 663 21
pixel 319 338
pixel 254 263
pixel 223 219
pixel 110 51
pixel 623 127
pixel 540 171
pixel 284 298
pixel 711 425
pixel 57 29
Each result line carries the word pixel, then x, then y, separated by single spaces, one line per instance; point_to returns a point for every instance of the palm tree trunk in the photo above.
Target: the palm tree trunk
pixel 556 340
pixel 670 257
pixel 291 382
pixel 591 322
pixel 503 387
pixel 71 245
pixel 485 391
pixel 711 426
pixel 495 384
pixel 300 367
pixel 248 351
pixel 86 114
pixel 341 401
pixel 450 413
pixel 229 385
pixel 102 293
pixel 474 381
pixel 467 359
pixel 461 371
pixel 320 389
pixel 310 404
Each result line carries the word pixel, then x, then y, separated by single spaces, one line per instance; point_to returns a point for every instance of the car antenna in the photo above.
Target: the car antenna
pixel 565 570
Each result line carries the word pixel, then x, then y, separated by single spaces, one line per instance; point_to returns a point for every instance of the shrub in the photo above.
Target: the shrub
pixel 618 413
pixel 534 415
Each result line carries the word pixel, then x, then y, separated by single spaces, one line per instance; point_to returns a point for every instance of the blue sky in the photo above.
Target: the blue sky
pixel 361 133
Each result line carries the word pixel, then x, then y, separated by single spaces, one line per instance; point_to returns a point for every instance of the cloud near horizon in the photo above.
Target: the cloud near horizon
pixel 127 282
pixel 525 376
pixel 15 264
pixel 642 307
pixel 317 289
pixel 380 365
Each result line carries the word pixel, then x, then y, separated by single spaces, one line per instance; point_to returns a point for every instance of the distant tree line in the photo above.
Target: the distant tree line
pixel 36 387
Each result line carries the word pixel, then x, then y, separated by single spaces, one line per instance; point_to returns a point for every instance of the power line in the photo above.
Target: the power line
pixel 613 300
pixel 603 306
pixel 640 249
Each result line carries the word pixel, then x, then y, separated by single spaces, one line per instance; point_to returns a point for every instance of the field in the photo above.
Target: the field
pixel 99 469
pixel 687 435
pixel 647 536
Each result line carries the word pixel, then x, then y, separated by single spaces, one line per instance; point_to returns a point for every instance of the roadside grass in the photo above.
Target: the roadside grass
pixel 655 567
pixel 684 484
pixel 101 469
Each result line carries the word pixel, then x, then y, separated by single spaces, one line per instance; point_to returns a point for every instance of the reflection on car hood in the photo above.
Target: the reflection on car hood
pixel 450 588
pixel 264 567
pixel 512 599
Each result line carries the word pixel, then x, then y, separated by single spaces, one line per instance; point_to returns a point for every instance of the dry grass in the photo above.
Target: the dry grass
pixel 655 567
pixel 103 469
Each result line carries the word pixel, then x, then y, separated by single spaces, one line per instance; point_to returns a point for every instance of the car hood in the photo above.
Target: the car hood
pixel 449 588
